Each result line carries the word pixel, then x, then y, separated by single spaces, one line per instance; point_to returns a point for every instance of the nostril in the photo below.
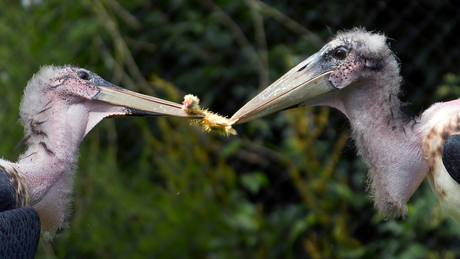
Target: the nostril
pixel 302 68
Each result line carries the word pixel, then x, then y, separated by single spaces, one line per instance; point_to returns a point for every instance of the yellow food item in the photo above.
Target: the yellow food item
pixel 211 121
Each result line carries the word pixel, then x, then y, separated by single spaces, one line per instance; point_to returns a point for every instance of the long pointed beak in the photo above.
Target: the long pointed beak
pixel 139 104
pixel 308 81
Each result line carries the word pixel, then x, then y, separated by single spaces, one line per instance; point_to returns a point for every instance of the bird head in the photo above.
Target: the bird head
pixel 352 57
pixel 74 85
pixel 84 96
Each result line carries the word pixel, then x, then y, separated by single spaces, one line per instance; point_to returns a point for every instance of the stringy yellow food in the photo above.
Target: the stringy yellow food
pixel 211 121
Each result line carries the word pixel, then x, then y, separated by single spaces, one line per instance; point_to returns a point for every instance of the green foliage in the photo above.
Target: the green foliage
pixel 450 86
pixel 289 186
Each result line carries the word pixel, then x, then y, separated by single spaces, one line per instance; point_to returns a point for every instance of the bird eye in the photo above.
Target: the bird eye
pixel 340 53
pixel 83 75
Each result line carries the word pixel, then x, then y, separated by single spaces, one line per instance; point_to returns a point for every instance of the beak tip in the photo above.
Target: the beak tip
pixel 233 121
pixel 237 120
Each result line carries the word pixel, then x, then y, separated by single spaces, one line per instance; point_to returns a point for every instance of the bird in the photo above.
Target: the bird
pixel 60 105
pixel 357 73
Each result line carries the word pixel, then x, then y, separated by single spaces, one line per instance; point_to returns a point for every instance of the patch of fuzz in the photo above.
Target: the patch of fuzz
pixel 211 121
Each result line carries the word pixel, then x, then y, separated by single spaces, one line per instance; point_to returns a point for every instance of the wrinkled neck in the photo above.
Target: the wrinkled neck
pixel 388 141
pixel 53 135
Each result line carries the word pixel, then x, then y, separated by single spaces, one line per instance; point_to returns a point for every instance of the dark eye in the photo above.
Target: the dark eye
pixel 83 75
pixel 340 53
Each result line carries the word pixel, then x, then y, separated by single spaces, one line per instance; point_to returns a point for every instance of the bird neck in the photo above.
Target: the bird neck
pixel 53 134
pixel 388 140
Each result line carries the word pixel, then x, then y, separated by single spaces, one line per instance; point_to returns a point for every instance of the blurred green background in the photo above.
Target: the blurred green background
pixel 288 186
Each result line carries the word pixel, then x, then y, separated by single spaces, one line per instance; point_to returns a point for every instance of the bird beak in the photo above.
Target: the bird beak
pixel 306 84
pixel 138 104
